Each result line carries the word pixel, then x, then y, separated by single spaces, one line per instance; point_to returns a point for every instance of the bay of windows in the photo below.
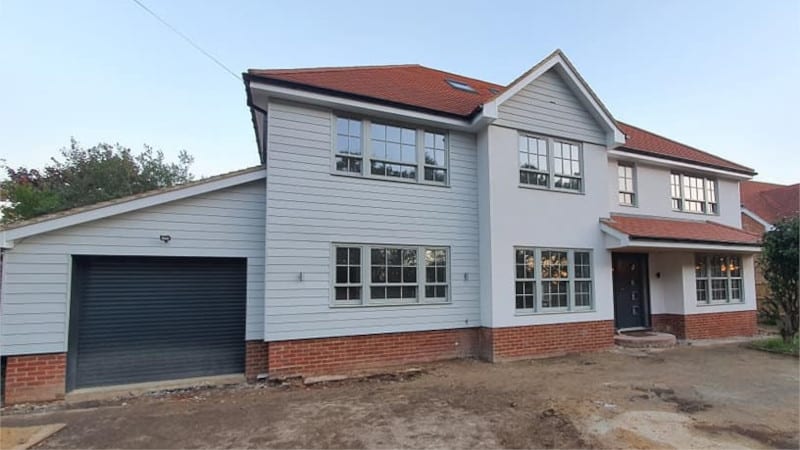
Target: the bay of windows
pixel 549 280
pixel 693 194
pixel 550 163
pixel 718 279
pixel 389 275
pixel 390 151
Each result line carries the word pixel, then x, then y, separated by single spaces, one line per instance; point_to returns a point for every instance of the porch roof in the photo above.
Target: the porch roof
pixel 640 231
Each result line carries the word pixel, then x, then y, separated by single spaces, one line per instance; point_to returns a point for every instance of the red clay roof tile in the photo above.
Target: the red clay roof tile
pixel 639 227
pixel 771 202
pixel 421 87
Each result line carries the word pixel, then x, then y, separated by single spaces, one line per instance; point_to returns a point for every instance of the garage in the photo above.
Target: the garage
pixel 144 319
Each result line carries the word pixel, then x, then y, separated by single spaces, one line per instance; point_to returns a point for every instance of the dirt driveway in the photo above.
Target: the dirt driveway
pixel 702 397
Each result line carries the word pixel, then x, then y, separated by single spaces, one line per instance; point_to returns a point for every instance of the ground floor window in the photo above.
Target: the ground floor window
pixel 551 280
pixel 718 279
pixel 390 275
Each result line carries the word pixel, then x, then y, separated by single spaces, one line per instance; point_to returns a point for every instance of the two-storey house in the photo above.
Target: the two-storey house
pixel 400 214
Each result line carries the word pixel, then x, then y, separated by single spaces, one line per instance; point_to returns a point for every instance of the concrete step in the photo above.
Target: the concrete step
pixel 645 339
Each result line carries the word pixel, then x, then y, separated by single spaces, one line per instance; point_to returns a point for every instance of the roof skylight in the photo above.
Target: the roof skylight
pixel 460 85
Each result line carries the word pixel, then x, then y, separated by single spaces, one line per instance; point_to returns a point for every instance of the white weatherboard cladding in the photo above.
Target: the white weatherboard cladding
pixel 549 106
pixel 308 208
pixel 528 217
pixel 654 197
pixel 36 278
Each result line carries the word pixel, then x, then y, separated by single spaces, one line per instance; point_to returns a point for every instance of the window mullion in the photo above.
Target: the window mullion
pixel 537 274
pixel 420 152
pixel 571 280
pixel 366 145
pixel 421 281
pixel 549 149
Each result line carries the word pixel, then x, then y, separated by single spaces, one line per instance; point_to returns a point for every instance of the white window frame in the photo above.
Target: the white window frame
pixel 538 281
pixel 366 151
pixel 708 184
pixel 551 174
pixel 708 279
pixel 366 277
pixel 633 193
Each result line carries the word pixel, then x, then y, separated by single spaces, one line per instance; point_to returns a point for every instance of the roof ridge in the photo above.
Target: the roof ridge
pixel 685 145
pixel 332 68
pixel 461 76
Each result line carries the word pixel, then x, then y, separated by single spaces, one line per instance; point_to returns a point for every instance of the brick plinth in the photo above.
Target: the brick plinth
pixel 256 360
pixel 502 344
pixel 340 354
pixel 34 378
pixel 707 325
pixel 669 323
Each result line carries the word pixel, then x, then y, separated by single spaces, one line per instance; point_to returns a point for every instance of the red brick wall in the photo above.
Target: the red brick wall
pixel 669 323
pixel 256 358
pixel 510 343
pixel 338 354
pixel 720 325
pixel 708 325
pixel 34 378
pixel 751 225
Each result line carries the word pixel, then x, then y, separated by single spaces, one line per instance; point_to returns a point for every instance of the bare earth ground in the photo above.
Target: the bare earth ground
pixel 689 397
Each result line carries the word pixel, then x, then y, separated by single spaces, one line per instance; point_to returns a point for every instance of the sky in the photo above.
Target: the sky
pixel 718 75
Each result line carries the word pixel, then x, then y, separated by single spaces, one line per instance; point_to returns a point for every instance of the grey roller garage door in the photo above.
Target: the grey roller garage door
pixel 139 319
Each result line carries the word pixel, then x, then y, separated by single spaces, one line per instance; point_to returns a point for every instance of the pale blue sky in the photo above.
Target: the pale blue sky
pixel 719 75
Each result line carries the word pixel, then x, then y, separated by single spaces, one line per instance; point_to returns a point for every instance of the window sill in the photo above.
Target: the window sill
pixel 547 189
pixel 548 313
pixel 390 179
pixel 720 303
pixel 628 206
pixel 380 305
pixel 696 213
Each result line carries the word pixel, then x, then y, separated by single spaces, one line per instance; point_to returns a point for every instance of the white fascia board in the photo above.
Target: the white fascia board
pixel 9 236
pixel 644 244
pixel 663 162
pixel 623 240
pixel 617 137
pixel 767 226
pixel 364 107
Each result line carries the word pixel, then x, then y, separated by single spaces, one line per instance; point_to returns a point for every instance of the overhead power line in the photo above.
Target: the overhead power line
pixel 189 40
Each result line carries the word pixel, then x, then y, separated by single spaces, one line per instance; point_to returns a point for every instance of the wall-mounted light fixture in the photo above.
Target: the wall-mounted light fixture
pixel 165 238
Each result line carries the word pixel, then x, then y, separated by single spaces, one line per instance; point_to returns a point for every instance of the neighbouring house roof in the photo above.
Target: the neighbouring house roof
pixel 74 216
pixel 676 230
pixel 422 88
pixel 771 202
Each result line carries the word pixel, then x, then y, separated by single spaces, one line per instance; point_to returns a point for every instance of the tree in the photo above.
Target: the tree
pixel 779 262
pixel 82 176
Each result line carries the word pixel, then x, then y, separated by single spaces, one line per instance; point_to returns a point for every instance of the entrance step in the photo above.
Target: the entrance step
pixel 645 339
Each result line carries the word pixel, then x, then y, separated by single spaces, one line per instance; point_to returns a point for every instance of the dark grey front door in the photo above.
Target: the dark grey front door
pixel 631 307
pixel 139 319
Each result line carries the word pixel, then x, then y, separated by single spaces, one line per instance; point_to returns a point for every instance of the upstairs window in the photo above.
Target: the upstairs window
pixel 693 194
pixel 348 145
pixel 533 167
pixel 394 151
pixel 625 181
pixel 391 152
pixel 550 163
pixel 435 157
